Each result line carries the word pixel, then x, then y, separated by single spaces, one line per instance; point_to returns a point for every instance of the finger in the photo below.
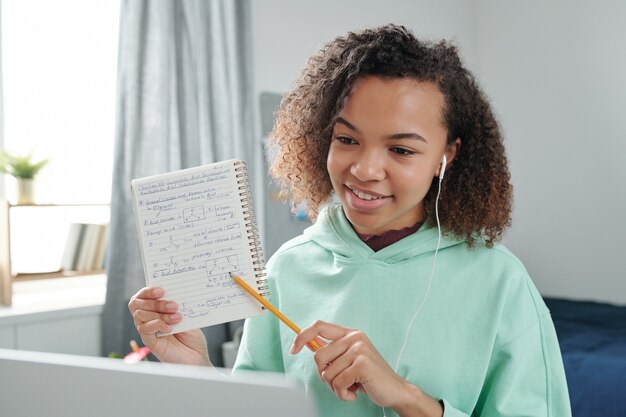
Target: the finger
pixel 329 366
pixel 149 293
pixel 341 355
pixel 150 328
pixel 316 344
pixel 340 378
pixel 141 316
pixel 146 293
pixel 355 341
pixel 328 331
pixel 340 347
pixel 158 306
pixel 346 383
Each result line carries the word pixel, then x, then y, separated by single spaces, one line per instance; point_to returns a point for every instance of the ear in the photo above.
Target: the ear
pixel 451 152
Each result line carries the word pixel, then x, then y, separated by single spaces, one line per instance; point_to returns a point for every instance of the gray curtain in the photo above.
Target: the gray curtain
pixel 184 99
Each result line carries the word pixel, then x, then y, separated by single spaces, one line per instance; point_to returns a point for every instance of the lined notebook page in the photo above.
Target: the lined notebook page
pixel 194 229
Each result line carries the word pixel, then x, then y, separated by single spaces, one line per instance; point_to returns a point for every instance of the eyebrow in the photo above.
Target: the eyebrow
pixel 395 136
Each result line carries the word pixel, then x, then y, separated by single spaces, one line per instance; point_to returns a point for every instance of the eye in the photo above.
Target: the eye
pixel 345 140
pixel 402 151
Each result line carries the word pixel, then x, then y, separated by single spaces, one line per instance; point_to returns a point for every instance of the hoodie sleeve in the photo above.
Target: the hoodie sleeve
pixel 524 380
pixel 260 348
pixel 525 376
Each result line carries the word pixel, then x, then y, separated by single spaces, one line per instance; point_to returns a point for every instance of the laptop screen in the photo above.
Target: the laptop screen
pixel 47 384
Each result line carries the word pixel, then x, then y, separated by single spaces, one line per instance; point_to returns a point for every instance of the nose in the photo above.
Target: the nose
pixel 369 166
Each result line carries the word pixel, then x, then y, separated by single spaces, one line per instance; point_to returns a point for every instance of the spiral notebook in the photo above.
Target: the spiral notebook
pixel 195 227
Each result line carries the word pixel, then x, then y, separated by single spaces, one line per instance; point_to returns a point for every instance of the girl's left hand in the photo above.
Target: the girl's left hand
pixel 350 362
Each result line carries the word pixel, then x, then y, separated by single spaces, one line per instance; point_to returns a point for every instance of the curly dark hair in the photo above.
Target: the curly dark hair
pixel 476 195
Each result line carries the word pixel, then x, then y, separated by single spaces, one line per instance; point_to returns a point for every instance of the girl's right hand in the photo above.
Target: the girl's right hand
pixel 151 314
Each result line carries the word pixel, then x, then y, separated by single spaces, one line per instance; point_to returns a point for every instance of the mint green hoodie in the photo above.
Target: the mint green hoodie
pixel 483 342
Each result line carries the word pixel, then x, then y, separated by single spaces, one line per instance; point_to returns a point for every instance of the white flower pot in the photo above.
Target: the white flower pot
pixel 25 190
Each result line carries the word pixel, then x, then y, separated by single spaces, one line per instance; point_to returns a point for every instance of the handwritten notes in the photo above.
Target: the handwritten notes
pixel 194 230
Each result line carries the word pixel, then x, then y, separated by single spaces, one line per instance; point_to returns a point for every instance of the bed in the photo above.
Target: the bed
pixel 592 337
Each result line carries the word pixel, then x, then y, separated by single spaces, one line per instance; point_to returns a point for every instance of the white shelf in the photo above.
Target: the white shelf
pixel 34 251
pixel 51 299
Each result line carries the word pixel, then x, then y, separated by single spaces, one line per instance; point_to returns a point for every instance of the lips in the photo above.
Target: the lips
pixel 365 200
pixel 365 195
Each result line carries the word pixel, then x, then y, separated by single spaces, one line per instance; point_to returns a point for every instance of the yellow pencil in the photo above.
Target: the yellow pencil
pixel 311 343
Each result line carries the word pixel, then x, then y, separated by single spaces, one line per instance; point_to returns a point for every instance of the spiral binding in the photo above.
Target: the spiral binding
pixel 251 225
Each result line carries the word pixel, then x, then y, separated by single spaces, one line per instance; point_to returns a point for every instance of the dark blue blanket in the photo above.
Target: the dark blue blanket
pixel 592 337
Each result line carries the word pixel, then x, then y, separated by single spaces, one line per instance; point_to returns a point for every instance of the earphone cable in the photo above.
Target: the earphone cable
pixel 430 280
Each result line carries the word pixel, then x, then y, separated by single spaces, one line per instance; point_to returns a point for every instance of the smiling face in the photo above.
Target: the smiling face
pixel 387 145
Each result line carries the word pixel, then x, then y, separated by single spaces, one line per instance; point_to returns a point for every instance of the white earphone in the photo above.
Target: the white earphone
pixel 432 270
pixel 443 167
pixel 444 161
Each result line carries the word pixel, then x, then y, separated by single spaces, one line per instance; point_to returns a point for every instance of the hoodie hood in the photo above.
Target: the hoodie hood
pixel 333 231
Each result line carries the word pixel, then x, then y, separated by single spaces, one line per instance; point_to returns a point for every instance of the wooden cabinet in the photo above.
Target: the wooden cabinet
pixel 5 254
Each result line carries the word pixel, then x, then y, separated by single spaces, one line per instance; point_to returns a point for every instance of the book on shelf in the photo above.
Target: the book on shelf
pixel 85 247
pixel 100 253
pixel 72 245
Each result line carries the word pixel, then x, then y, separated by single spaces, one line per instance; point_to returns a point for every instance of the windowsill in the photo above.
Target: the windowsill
pixel 51 299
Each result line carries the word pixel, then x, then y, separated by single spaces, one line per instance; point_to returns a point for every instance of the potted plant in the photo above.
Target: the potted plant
pixel 24 170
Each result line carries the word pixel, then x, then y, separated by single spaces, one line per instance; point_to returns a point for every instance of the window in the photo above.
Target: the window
pixel 59 63
pixel 59 74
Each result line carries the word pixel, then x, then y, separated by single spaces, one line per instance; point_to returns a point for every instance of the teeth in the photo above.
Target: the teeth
pixel 364 196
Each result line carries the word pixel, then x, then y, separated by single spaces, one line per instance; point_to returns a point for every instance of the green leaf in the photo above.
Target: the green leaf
pixel 20 166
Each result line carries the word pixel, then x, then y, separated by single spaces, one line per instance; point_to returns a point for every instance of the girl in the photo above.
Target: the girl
pixel 418 308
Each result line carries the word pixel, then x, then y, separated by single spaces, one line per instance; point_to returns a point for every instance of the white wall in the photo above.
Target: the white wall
pixel 287 32
pixel 555 73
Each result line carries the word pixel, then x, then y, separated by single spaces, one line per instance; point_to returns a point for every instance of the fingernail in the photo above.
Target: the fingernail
pixel 171 306
pixel 157 292
pixel 293 349
pixel 175 316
